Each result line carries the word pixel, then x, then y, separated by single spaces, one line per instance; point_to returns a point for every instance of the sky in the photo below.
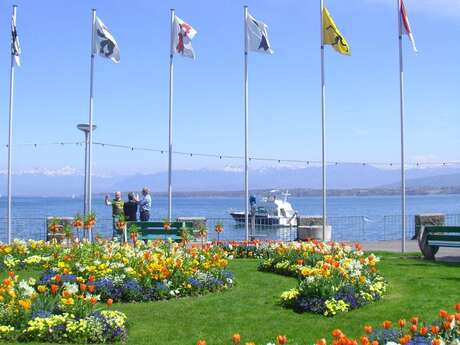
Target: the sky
pixel 131 98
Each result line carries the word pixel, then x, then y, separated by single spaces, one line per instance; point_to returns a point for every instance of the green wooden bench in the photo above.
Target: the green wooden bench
pixel 432 237
pixel 156 231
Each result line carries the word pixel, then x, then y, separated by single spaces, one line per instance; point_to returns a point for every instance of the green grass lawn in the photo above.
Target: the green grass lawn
pixel 416 287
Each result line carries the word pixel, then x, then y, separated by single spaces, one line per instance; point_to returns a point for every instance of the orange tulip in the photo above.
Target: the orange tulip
pixel 402 323
pixel 109 302
pixel 414 320
pixel 57 278
pixel 11 274
pixel 201 342
pixel 375 342
pixel 337 333
pixel 236 338
pixel 423 331
pixel 321 342
pixel 457 317
pixel 91 288
pixel 446 325
pixel 435 329
pixel 281 339
pixel 413 328
pixel 436 342
pixel 457 307
pixel 54 289
pixel 82 287
pixel 364 340
pixel 405 339
pixel 93 300
pixel 91 279
pixel 443 313
pixel 368 329
pixel 387 324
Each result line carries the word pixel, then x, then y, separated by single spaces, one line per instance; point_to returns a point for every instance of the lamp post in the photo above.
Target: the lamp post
pixel 84 127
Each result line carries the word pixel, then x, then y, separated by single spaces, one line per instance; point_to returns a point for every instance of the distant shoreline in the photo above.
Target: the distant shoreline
pixel 299 192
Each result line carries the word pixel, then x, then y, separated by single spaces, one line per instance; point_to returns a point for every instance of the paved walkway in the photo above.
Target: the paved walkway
pixel 444 254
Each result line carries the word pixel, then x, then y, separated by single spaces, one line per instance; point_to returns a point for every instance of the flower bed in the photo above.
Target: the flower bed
pixel 154 271
pixel 31 311
pixel 444 330
pixel 332 277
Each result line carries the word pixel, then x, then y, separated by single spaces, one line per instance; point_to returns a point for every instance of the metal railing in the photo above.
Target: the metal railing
pixel 344 228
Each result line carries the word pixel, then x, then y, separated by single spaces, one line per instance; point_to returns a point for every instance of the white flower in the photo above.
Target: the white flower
pixel 26 288
pixel 70 287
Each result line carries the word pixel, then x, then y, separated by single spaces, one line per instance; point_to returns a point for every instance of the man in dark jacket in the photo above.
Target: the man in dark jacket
pixel 130 208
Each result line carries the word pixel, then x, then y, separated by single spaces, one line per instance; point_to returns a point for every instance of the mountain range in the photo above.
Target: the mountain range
pixel 340 177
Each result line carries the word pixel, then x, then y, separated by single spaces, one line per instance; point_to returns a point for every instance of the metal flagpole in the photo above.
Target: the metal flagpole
pixel 246 125
pixel 401 100
pixel 323 124
pixel 171 89
pixel 90 122
pixel 10 136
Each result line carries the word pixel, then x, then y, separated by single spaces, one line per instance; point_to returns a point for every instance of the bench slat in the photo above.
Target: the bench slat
pixel 444 238
pixel 444 244
pixel 434 228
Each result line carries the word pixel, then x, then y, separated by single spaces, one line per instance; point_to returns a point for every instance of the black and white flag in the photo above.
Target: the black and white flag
pixel 257 35
pixel 15 47
pixel 104 42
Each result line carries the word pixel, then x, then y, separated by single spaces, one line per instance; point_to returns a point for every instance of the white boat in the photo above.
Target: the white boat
pixel 274 210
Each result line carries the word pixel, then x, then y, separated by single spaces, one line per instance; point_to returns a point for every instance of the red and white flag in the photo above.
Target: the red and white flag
pixel 182 35
pixel 406 29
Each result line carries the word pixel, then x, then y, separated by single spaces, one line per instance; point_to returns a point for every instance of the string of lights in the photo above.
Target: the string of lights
pixel 236 157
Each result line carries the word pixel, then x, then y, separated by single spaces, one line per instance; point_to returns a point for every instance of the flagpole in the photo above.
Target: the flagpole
pixel 90 122
pixel 171 89
pixel 401 102
pixel 246 126
pixel 10 137
pixel 323 125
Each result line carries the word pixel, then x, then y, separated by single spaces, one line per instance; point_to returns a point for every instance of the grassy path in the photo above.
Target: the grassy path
pixel 250 308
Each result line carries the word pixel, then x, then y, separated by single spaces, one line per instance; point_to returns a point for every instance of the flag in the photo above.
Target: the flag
pixel 182 35
pixel 406 29
pixel 104 43
pixel 15 47
pixel 332 35
pixel 257 36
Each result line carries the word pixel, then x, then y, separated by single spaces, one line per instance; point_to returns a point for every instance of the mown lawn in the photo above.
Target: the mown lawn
pixel 416 288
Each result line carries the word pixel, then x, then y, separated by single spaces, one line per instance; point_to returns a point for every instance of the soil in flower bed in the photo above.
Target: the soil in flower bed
pixel 251 308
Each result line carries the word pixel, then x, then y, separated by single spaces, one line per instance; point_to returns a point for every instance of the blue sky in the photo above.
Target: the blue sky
pixel 131 98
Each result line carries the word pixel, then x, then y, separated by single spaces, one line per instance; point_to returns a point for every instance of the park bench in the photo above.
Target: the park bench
pixel 156 231
pixel 432 237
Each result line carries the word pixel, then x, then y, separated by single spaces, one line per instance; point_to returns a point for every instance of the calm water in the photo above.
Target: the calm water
pixel 358 217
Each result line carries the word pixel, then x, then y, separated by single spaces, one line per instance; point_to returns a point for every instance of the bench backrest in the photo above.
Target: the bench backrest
pixel 443 233
pixel 157 228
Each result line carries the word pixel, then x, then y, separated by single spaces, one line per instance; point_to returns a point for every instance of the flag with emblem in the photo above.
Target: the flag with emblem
pixel 257 35
pixel 104 43
pixel 332 35
pixel 406 29
pixel 15 47
pixel 182 36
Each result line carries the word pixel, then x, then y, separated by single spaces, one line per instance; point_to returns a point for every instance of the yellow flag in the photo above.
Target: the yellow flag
pixel 332 34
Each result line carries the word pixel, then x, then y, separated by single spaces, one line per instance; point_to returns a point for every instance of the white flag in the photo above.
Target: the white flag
pixel 104 42
pixel 15 47
pixel 257 35
pixel 182 35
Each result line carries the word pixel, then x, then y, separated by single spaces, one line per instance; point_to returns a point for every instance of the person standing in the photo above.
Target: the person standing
pixel 145 205
pixel 130 208
pixel 117 209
